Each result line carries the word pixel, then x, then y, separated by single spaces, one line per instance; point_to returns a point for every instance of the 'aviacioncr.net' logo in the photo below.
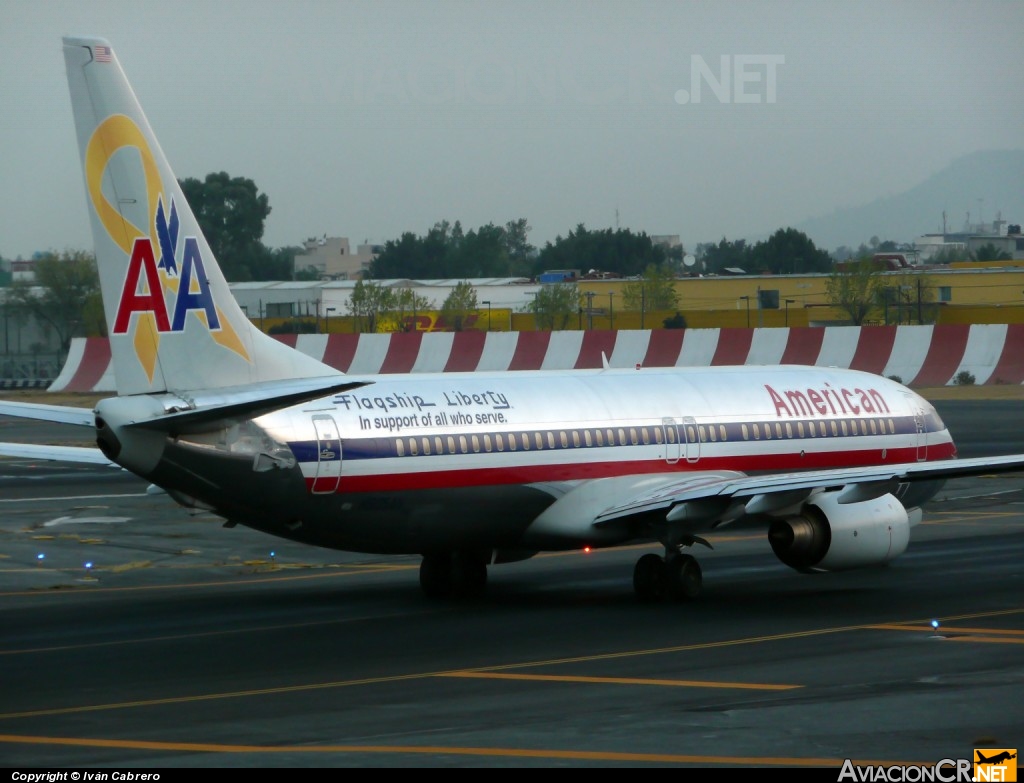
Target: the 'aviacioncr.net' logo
pixel 998 765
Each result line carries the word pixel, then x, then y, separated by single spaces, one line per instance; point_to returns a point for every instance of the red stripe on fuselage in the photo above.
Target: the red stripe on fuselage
pixel 580 471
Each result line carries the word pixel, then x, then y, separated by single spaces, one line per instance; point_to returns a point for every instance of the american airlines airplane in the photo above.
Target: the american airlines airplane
pixel 465 469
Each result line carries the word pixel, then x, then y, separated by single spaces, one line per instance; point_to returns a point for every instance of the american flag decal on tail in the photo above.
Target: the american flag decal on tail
pixel 102 54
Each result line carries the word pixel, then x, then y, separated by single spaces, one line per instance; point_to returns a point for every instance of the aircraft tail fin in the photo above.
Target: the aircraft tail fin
pixel 172 321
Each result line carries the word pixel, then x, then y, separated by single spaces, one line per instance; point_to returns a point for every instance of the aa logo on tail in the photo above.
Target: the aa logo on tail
pixel 159 291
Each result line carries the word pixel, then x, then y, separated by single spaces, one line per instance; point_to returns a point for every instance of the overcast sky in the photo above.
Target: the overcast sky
pixel 369 119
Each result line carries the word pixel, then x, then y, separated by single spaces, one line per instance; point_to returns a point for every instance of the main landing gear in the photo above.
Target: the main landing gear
pixel 453 575
pixel 675 577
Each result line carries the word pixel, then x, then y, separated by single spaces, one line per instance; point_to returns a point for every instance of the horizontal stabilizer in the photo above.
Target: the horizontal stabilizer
pixel 220 406
pixel 58 414
pixel 35 451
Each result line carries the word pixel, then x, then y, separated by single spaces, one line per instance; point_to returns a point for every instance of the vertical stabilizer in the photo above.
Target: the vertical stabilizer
pixel 172 320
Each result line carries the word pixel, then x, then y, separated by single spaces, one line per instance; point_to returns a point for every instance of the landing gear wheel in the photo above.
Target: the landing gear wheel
pixel 436 576
pixel 649 577
pixel 469 576
pixel 453 575
pixel 683 578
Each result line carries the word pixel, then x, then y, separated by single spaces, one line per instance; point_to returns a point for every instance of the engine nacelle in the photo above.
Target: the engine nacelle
pixel 829 536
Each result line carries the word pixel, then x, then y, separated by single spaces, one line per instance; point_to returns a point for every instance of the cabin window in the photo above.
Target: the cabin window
pixel 622 437
pixel 587 438
pixel 563 439
pixel 426 445
pixel 757 430
pixel 632 436
pixel 703 433
pixel 821 428
pixel 526 442
pixel 874 427
pixel 539 440
pixel 723 433
pixel 800 429
pixel 711 433
pixel 451 445
pixel 400 447
pixel 789 430
pixel 843 425
pixel 657 435
pixel 575 439
pixel 414 449
pixel 768 431
pixel 892 427
pixel 835 429
pixel 463 445
pixel 475 440
pixel 438 445
pixel 512 441
pixel 499 441
pixel 646 435
pixel 600 437
pixel 691 434
pixel 487 442
pixel 778 429
pixel 863 427
pixel 746 433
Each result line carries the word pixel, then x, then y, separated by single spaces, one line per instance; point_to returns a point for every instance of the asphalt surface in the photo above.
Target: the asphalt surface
pixel 138 637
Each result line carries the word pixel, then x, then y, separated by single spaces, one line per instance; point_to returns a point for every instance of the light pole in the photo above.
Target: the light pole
pixel 327 319
pixel 788 303
pixel 747 299
pixel 488 303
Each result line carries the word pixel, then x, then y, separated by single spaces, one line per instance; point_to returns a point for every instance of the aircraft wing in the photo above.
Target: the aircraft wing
pixel 36 451
pixel 704 499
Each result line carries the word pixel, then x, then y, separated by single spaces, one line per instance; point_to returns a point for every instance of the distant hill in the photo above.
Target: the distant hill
pixel 997 176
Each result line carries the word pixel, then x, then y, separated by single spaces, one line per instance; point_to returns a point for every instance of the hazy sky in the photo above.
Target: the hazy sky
pixel 369 119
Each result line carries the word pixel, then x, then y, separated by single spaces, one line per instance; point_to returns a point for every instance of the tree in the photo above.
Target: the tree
pixel 855 288
pixel 460 303
pixel 619 251
pixel 69 301
pixel 725 255
pixel 677 321
pixel 656 290
pixel 989 252
pixel 554 305
pixel 908 297
pixel 231 213
pixel 368 302
pixel 789 252
pixel 408 301
pixel 519 251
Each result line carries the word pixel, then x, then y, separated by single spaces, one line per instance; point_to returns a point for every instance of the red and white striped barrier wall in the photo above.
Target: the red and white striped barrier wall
pixel 918 355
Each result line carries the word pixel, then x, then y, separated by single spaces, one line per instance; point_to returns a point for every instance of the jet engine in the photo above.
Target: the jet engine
pixel 831 536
